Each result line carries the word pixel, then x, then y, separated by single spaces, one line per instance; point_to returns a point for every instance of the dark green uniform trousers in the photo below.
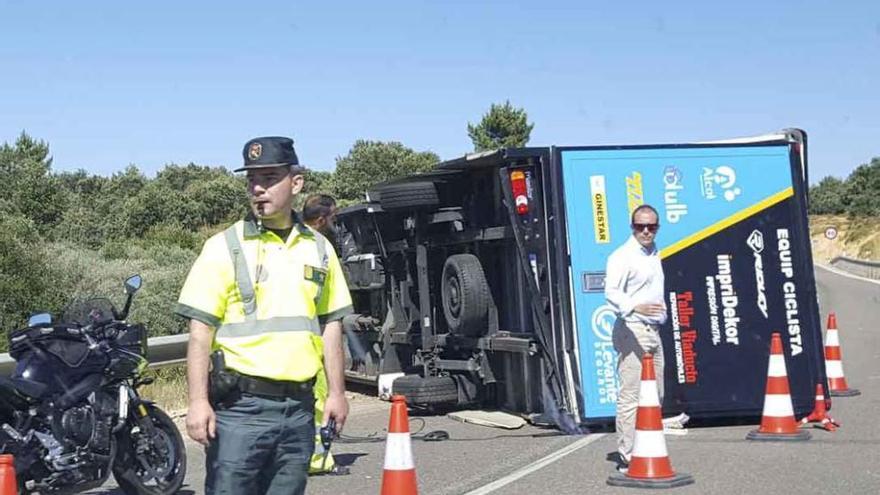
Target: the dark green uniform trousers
pixel 263 446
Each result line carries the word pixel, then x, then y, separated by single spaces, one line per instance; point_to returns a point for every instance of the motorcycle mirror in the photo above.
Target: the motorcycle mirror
pixel 38 319
pixel 132 284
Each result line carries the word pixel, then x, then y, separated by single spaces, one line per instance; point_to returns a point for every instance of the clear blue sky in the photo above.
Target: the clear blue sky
pixel 150 83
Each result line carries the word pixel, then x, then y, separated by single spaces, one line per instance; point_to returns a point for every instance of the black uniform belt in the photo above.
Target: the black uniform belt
pixel 278 389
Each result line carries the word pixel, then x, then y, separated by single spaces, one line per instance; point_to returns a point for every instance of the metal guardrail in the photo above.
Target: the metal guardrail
pixel 868 269
pixel 163 351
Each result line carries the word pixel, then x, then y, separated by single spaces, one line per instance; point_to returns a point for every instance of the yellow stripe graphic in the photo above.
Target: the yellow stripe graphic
pixel 727 222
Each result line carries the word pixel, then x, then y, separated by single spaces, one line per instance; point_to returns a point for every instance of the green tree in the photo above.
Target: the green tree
pixel 220 200
pixel 110 206
pixel 81 183
pixel 213 194
pixel 371 162
pixel 25 286
pixel 125 184
pixel 318 181
pixel 860 194
pixel 27 184
pixel 827 198
pixel 181 177
pixel 154 204
pixel 503 126
pixel 81 222
pixel 190 197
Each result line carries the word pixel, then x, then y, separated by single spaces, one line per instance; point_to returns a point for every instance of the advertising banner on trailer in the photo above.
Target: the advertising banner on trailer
pixel 735 251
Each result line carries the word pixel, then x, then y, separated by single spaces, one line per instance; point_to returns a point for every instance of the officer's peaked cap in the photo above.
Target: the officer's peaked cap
pixel 267 152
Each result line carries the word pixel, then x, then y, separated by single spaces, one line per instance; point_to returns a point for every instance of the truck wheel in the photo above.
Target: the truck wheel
pixel 465 295
pixel 408 195
pixel 426 391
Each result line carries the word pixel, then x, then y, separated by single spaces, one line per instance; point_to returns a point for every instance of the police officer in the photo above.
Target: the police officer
pixel 258 296
pixel 319 213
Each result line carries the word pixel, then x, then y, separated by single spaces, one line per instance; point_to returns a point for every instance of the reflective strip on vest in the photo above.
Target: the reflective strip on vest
pixel 277 324
pixel 325 263
pixel 242 276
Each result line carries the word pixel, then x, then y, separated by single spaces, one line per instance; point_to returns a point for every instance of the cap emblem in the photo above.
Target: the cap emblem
pixel 255 150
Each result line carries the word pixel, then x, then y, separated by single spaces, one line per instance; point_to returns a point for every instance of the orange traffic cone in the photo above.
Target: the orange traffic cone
pixel 837 386
pixel 777 422
pixel 650 466
pixel 399 475
pixel 8 484
pixel 820 412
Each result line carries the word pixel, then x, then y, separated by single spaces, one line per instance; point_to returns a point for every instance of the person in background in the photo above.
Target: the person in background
pixel 319 213
pixel 634 288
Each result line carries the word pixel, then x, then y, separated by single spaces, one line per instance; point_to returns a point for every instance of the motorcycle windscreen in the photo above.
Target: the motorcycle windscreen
pixel 736 257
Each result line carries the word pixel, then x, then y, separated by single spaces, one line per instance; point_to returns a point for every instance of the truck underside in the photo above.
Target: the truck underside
pixel 446 275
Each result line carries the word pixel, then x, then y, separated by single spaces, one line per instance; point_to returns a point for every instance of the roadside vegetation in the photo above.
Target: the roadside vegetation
pixel 168 390
pixel 857 237
pixel 73 235
pixel 849 206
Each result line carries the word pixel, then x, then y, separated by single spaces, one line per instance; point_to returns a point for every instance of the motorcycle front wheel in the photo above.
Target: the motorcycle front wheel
pixel 150 464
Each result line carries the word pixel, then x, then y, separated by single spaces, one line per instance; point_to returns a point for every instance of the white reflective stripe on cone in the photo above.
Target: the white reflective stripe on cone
pixel 832 339
pixel 777 365
pixel 820 397
pixel 834 369
pixel 649 444
pixel 648 395
pixel 398 452
pixel 778 406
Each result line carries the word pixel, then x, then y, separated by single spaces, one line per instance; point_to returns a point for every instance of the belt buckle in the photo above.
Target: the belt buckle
pixel 302 387
pixel 292 389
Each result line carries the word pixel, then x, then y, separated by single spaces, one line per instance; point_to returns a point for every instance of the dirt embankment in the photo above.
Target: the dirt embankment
pixel 856 237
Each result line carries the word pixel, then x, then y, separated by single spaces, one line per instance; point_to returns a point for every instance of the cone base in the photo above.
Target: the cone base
pixel 849 392
pixel 816 416
pixel 825 424
pixel 799 436
pixel 399 482
pixel 679 479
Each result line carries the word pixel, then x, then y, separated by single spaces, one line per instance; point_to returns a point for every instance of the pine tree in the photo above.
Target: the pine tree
pixel 502 127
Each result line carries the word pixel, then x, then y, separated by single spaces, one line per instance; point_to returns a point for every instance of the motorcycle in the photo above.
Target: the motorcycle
pixel 71 414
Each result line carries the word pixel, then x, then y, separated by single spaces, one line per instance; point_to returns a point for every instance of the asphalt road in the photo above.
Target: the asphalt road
pixel 478 460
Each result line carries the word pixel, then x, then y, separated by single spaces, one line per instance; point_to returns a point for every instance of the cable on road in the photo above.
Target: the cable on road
pixel 436 436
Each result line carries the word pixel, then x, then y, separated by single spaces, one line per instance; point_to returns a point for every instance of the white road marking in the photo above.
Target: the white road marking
pixel 540 463
pixel 845 274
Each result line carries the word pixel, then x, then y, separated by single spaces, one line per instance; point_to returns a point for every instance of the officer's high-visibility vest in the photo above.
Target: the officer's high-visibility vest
pixel 229 334
pixel 264 296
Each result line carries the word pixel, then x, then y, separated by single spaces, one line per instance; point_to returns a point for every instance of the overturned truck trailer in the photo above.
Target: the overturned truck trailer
pixel 481 282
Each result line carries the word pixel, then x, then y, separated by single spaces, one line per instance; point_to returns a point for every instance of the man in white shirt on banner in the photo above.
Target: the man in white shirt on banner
pixel 634 288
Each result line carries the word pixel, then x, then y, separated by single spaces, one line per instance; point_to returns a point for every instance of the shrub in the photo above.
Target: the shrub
pixel 26 286
pixel 84 273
